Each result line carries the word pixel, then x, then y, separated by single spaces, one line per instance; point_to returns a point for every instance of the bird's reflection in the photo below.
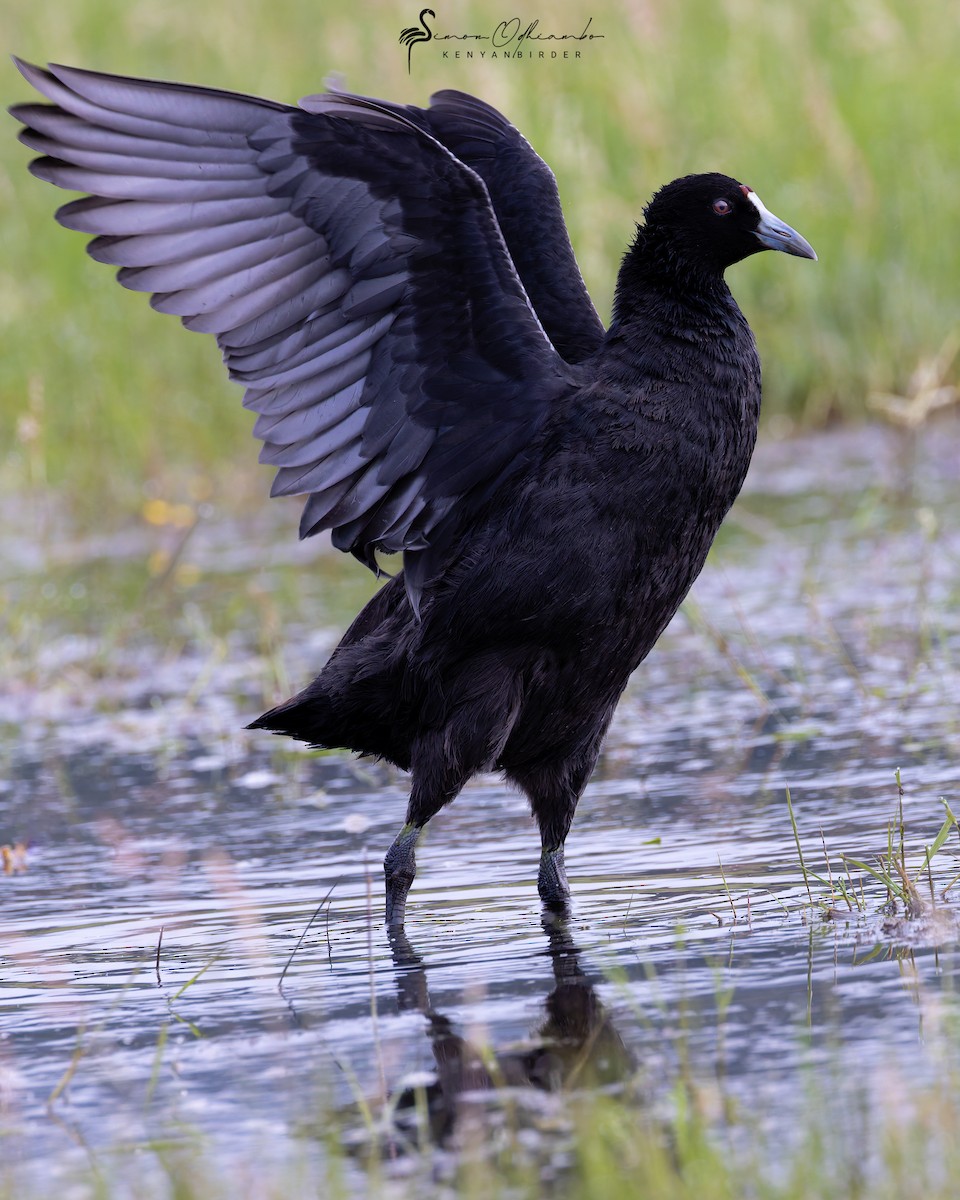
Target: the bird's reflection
pixel 575 1045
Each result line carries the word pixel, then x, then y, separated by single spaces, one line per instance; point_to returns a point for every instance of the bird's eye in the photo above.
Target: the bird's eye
pixel 722 207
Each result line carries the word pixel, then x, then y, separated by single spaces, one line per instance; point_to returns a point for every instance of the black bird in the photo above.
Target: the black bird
pixel 396 290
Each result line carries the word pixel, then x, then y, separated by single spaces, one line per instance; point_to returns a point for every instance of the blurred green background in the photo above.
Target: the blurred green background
pixel 843 114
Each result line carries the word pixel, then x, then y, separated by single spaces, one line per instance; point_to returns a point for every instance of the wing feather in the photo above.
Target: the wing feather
pixel 353 270
pixel 523 193
pixel 160 249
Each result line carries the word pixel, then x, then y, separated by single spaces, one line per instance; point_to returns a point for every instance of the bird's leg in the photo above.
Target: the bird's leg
pixel 552 879
pixel 435 783
pixel 553 808
pixel 554 793
pixel 400 869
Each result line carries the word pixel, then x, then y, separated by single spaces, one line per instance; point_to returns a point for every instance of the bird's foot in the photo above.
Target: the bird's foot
pixel 400 869
pixel 552 881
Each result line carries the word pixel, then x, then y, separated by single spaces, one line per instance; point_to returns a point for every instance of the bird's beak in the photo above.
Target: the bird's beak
pixel 777 235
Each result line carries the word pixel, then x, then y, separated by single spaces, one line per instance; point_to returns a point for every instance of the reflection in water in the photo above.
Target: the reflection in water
pixel 575 1046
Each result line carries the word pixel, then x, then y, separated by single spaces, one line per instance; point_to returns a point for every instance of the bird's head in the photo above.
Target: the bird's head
pixel 720 221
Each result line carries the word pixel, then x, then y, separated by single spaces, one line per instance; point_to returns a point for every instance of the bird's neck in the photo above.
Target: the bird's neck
pixel 660 271
pixel 670 302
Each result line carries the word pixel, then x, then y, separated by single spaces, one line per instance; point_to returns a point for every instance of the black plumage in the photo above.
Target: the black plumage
pixel 395 288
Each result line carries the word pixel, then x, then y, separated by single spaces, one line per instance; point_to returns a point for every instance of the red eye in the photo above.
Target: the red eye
pixel 722 207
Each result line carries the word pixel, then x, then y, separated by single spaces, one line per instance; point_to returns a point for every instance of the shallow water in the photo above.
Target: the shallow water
pixel 174 860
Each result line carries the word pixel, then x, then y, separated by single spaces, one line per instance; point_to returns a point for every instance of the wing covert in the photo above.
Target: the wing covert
pixel 524 196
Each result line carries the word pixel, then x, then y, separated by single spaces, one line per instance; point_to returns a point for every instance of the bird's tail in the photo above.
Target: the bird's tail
pixel 328 715
pixel 312 717
pixel 356 702
pixel 299 717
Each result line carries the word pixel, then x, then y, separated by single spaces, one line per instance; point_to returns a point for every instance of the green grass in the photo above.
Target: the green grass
pixel 594 1148
pixel 843 114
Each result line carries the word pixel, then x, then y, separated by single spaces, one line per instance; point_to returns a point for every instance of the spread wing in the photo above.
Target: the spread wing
pixel 525 198
pixel 523 192
pixel 353 272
